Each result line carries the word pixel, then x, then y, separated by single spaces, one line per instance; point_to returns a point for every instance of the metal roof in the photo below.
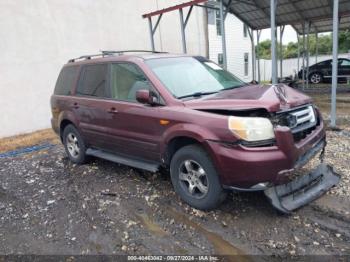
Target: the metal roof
pixel 256 13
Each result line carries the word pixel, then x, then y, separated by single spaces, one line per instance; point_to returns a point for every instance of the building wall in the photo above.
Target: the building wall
pixel 39 36
pixel 236 45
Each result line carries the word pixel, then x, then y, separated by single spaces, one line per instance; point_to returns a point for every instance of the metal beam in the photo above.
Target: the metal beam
pixel 172 8
pixel 157 23
pixel 335 62
pixel 307 54
pixel 223 35
pixel 151 32
pixel 273 4
pixel 251 36
pixel 298 40
pixel 303 53
pixel 316 55
pixel 258 33
pixel 183 34
pixel 188 15
pixel 226 9
pixel 281 50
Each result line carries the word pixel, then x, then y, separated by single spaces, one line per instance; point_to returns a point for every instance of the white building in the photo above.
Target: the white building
pixel 238 44
pixel 38 37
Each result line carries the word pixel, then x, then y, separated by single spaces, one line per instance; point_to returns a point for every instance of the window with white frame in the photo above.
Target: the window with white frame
pixel 218 23
pixel 220 59
pixel 246 64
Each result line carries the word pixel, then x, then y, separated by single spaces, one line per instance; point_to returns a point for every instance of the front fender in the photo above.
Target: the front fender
pixel 198 133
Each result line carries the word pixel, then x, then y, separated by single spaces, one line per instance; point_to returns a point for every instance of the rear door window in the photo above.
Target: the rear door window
pixel 93 81
pixel 66 80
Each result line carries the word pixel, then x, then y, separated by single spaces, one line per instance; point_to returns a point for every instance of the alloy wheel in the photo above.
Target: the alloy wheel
pixel 193 179
pixel 73 145
pixel 315 78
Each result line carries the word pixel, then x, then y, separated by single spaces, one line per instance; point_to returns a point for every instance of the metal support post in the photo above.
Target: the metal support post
pixel 251 36
pixel 273 6
pixel 298 39
pixel 335 62
pixel 316 54
pixel 307 54
pixel 258 32
pixel 281 50
pixel 223 35
pixel 303 53
pixel 151 32
pixel 183 35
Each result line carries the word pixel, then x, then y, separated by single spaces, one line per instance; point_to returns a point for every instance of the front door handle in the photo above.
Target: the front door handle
pixel 113 110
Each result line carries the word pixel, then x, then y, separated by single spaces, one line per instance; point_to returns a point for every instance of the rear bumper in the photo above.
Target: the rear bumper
pixel 243 167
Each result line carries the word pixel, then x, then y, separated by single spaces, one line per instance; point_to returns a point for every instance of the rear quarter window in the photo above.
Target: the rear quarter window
pixel 93 81
pixel 66 80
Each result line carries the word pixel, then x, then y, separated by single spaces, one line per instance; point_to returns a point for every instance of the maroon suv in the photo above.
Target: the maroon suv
pixel 187 115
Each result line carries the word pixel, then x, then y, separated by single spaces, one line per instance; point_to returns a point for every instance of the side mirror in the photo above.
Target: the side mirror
pixel 145 96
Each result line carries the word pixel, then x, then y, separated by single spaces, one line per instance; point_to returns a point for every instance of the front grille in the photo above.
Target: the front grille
pixel 302 121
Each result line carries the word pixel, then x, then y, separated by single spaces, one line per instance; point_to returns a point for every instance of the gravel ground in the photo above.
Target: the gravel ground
pixel 50 206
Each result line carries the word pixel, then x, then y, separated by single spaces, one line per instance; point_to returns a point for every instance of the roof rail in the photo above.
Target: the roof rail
pixel 112 52
pixel 130 51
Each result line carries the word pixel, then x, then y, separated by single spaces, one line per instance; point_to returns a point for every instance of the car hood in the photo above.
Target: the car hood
pixel 250 97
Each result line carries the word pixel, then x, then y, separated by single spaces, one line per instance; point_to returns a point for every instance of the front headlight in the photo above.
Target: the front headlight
pixel 251 128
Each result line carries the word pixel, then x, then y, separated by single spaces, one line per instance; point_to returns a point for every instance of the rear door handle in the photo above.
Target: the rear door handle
pixel 75 105
pixel 113 110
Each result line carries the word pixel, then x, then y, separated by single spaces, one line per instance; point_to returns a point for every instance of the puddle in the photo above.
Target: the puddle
pixel 221 246
pixel 152 227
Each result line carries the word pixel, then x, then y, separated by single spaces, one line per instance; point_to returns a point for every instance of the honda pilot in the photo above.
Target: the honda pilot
pixel 185 114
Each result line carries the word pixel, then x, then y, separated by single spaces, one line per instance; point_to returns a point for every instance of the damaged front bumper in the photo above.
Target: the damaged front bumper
pixel 302 190
pixel 306 188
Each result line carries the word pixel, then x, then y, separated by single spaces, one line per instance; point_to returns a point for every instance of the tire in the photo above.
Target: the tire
pixel 74 145
pixel 316 78
pixel 191 169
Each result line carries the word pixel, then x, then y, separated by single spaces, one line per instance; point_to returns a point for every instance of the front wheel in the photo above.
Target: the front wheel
pixel 315 78
pixel 195 179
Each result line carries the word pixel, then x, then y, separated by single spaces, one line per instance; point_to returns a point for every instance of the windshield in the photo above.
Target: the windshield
pixel 189 76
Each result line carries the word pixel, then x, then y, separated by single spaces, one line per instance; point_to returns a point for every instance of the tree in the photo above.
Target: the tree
pixel 291 49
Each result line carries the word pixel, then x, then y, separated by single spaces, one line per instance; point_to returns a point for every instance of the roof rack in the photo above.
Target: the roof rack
pixel 112 52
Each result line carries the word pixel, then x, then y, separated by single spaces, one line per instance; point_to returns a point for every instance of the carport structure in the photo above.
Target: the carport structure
pixel 305 16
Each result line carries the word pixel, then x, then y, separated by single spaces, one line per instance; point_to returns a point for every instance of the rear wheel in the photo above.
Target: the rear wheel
pixel 195 179
pixel 74 145
pixel 315 78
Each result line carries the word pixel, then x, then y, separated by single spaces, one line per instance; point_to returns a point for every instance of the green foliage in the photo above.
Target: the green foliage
pixel 291 49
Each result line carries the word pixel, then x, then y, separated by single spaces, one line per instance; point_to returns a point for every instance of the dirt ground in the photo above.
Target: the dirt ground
pixel 50 206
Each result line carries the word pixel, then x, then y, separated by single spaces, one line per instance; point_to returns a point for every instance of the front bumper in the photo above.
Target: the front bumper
pixel 243 167
pixel 301 191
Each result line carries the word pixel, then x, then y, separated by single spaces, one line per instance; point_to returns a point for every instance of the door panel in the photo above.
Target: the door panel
pixel 91 104
pixel 344 68
pixel 135 131
pixel 138 132
pixel 96 122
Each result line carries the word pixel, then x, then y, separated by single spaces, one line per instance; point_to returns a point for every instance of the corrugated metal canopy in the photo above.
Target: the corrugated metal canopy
pixel 256 13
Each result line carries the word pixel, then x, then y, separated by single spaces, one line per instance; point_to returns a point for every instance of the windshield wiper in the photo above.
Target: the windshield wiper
pixel 197 94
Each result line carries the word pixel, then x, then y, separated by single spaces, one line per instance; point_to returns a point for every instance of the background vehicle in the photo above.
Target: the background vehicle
pixel 188 115
pixel 322 71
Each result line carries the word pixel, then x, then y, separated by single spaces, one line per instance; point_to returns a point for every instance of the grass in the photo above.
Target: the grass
pixel 26 140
